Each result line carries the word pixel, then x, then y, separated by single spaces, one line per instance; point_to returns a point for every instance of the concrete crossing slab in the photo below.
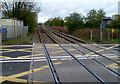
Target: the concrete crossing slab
pixel 17 63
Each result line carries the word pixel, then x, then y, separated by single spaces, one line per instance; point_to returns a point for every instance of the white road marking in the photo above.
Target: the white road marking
pixel 53 58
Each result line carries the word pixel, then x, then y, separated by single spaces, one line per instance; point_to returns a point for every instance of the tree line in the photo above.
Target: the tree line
pixel 26 11
pixel 77 21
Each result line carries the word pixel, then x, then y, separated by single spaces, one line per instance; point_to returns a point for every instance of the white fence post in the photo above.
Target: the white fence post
pixel 91 35
pixel 101 36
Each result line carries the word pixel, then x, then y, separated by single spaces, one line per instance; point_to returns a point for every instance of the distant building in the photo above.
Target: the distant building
pixel 119 7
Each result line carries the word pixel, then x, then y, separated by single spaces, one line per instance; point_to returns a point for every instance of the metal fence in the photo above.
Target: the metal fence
pixel 15 31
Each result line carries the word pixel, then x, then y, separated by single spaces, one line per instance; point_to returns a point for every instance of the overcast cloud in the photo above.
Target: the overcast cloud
pixel 62 8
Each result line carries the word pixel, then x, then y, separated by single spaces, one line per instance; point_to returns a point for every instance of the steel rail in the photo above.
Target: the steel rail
pixel 102 64
pixel 50 63
pixel 100 54
pixel 80 62
pixel 79 40
pixel 99 62
pixel 31 66
pixel 83 41
pixel 53 70
pixel 88 49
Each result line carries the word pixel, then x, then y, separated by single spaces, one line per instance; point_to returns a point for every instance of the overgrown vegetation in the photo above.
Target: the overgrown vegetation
pixel 26 11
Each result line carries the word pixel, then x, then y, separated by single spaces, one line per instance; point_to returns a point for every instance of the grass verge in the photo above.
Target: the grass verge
pixel 18 41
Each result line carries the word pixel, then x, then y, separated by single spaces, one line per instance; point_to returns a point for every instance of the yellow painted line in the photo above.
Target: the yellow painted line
pixel 15 79
pixel 4 57
pixel 56 52
pixel 38 47
pixel 54 47
pixel 16 49
pixel 30 55
pixel 13 50
pixel 24 56
pixel 72 49
pixel 61 51
pixel 7 46
pixel 3 78
pixel 17 45
pixel 114 57
pixel 90 53
pixel 114 65
pixel 111 47
pixel 12 79
pixel 102 49
pixel 51 45
pixel 77 54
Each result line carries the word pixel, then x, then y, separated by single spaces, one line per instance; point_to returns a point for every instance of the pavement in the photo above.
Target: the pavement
pixel 27 63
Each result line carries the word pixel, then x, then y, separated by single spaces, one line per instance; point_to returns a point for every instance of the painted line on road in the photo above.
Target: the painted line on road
pixel 14 78
pixel 52 52
pixel 102 50
pixel 52 57
pixel 30 55
pixel 114 65
pixel 4 57
pixel 13 50
pixel 16 46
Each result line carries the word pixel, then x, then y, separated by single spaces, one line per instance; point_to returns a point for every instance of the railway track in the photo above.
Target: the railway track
pixel 97 61
pixel 49 61
pixel 70 39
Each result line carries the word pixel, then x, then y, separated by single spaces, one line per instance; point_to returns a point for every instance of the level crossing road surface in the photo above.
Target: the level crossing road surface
pixel 28 63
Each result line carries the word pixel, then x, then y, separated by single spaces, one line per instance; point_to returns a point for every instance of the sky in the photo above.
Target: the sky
pixel 62 8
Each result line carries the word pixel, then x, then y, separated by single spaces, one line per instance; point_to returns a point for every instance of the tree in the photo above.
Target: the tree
pixel 115 23
pixel 74 22
pixel 22 11
pixel 94 18
pixel 57 21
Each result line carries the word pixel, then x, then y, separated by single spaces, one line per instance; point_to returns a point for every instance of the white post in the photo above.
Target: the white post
pixel 91 35
pixel 101 37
